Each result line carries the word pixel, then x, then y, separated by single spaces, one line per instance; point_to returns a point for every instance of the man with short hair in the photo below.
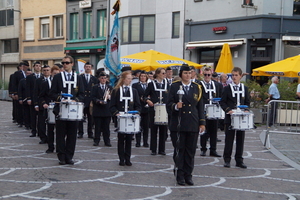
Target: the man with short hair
pixel 273 95
pixel 194 75
pixel 88 82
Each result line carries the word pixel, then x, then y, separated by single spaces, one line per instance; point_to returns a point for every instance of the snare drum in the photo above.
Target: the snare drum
pixel 129 124
pixel 161 115
pixel 51 116
pixel 241 120
pixel 71 111
pixel 214 111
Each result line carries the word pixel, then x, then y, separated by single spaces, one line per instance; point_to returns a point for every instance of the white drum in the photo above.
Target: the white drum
pixel 71 111
pixel 129 123
pixel 241 120
pixel 214 111
pixel 161 115
pixel 51 116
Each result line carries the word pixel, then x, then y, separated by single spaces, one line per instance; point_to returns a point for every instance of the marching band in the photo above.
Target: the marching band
pixel 182 107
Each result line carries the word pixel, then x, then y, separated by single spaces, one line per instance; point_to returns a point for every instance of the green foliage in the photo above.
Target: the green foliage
pixel 3 85
pixel 287 90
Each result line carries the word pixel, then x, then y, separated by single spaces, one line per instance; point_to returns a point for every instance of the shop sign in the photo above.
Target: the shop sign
pixel 221 29
pixel 85 4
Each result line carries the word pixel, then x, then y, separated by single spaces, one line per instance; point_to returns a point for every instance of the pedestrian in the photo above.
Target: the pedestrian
pixel 273 95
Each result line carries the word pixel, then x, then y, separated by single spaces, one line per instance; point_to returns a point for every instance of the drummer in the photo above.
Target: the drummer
pixel 157 93
pixel 66 131
pixel 117 105
pixel 211 89
pixel 228 103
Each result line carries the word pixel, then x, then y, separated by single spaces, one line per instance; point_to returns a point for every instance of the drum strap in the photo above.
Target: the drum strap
pixel 126 98
pixel 162 89
pixel 68 82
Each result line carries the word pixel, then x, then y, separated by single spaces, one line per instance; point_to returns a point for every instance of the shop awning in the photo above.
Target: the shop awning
pixel 214 43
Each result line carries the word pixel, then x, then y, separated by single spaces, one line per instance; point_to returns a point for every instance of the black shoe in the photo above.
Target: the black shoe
pixel 153 153
pixel 108 144
pixel 218 140
pixel 203 153
pixel 27 128
pixel 70 162
pixel 128 163
pixel 121 163
pixel 162 153
pixel 62 162
pixel 32 135
pixel 241 165
pixel 227 164
pixel 91 137
pixel 42 142
pixel 180 182
pixel 80 136
pixel 146 145
pixel 137 145
pixel 96 144
pixel 20 125
pixel 214 154
pixel 49 150
pixel 189 181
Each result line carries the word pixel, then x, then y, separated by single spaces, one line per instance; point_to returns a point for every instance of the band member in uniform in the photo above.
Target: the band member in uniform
pixel 29 95
pixel 100 96
pixel 194 77
pixel 11 95
pixel 38 107
pixel 229 102
pixel 186 123
pixel 88 82
pixel 158 92
pixel 141 87
pixel 117 105
pixel 211 89
pixel 44 100
pixel 66 131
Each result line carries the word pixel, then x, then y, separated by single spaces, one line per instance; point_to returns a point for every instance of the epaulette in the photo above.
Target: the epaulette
pixel 175 81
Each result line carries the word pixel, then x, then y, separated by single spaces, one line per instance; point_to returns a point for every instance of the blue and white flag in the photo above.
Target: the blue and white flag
pixel 112 57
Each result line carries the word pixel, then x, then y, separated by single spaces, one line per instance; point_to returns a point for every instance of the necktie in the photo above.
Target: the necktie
pixel 87 78
pixel 236 88
pixel 103 87
pixel 37 76
pixel 207 85
pixel 126 90
pixel 186 88
pixel 69 77
pixel 159 85
pixel 144 86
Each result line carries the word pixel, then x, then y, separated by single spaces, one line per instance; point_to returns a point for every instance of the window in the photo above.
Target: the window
pixel 58 26
pixel 74 26
pixel 138 29
pixel 87 25
pixel 45 28
pixel 101 23
pixel 175 24
pixel 296 10
pixel 29 29
pixel 6 17
pixel 11 46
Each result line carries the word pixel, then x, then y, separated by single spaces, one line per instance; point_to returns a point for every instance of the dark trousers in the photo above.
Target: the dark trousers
pixel 124 146
pixel 50 136
pixel 20 118
pixel 102 125
pixel 15 109
pixel 161 130
pixel 229 139
pixel 211 132
pixel 42 125
pixel 33 119
pixel 184 153
pixel 65 139
pixel 89 118
pixel 145 129
pixel 273 113
pixel 26 115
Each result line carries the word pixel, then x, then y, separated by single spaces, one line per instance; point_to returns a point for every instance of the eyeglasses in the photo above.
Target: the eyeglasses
pixel 66 63
pixel 206 74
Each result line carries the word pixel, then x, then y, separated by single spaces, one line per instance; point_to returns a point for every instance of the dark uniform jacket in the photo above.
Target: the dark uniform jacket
pixel 97 94
pixel 117 106
pixel 87 88
pixel 21 91
pixel 154 95
pixel 228 102
pixel 18 76
pixel 36 92
pixel 30 86
pixel 219 88
pixel 138 86
pixel 192 112
pixel 57 88
pixel 10 84
pixel 44 97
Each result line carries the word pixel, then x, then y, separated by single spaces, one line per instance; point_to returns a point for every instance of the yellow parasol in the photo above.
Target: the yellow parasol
pixel 225 64
pixel 289 67
pixel 151 60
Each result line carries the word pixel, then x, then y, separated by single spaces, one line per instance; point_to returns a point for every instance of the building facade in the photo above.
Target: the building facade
pixel 258 31
pixel 9 38
pixel 42 33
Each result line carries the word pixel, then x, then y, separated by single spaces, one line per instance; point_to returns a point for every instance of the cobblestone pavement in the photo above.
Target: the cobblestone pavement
pixel 27 172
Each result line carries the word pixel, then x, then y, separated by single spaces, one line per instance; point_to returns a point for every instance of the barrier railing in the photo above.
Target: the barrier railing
pixel 282 117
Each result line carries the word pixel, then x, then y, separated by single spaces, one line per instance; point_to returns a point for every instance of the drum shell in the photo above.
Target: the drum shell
pixel 129 124
pixel 242 121
pixel 51 116
pixel 161 115
pixel 214 111
pixel 71 111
